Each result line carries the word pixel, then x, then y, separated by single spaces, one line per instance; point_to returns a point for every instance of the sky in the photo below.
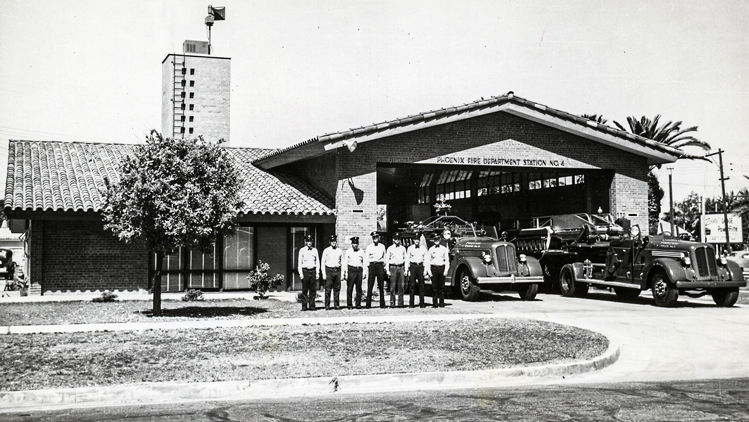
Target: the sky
pixel 90 71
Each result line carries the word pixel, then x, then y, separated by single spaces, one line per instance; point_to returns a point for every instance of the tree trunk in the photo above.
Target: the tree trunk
pixel 157 284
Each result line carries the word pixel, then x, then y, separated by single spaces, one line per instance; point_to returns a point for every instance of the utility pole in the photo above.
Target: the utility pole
pixel 725 201
pixel 671 197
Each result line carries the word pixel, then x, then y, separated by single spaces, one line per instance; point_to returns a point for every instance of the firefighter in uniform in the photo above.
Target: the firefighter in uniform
pixel 395 260
pixel 375 262
pixel 437 266
pixel 309 268
pixel 353 272
pixel 332 257
pixel 415 256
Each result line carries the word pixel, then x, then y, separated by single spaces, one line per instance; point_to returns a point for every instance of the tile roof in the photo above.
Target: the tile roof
pixel 295 151
pixel 69 176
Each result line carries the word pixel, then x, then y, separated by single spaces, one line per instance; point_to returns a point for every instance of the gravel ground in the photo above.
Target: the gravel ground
pixel 42 361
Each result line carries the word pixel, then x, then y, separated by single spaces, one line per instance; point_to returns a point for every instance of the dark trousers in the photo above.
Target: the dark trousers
pixel 354 280
pixel 309 290
pixel 332 282
pixel 438 285
pixel 396 284
pixel 376 270
pixel 416 276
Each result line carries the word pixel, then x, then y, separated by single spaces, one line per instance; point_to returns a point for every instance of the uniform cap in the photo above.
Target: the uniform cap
pixel 355 240
pixel 333 238
pixel 374 234
pixel 308 238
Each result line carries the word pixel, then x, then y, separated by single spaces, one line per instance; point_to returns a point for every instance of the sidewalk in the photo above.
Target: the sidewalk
pixel 153 393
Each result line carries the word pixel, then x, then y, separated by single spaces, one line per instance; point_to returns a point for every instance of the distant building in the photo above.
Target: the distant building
pixel 195 94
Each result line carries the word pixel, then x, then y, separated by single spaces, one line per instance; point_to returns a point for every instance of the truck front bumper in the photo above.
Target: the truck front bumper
pixel 709 284
pixel 483 281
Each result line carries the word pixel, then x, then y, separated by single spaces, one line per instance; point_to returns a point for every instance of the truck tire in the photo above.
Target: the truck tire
pixel 726 297
pixel 625 293
pixel 528 291
pixel 664 292
pixel 469 290
pixel 569 287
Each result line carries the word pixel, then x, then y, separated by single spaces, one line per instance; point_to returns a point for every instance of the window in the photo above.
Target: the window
pixel 182 94
pixel 192 83
pixel 181 130
pixel 184 70
pixel 192 107
pixel 183 106
pixel 191 129
pixel 182 118
pixel 184 82
pixel 192 71
pixel 192 118
pixel 202 270
pixel 426 182
pixel 488 182
pixel 192 95
pixel 579 179
pixel 565 181
pixel 238 257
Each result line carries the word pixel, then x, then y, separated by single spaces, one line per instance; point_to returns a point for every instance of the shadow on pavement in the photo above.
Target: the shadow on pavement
pixel 207 312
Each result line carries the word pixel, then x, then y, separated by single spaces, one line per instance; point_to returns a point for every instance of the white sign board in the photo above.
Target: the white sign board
pixel 715 228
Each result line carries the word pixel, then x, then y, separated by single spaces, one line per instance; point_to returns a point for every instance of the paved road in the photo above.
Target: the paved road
pixel 695 340
pixel 657 401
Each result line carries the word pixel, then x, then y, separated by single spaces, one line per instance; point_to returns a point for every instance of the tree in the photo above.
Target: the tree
pixel 173 193
pixel 670 134
pixel 596 118
pixel 687 214
pixel 655 195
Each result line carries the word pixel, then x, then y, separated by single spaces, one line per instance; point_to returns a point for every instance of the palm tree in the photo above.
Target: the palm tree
pixel 595 117
pixel 670 134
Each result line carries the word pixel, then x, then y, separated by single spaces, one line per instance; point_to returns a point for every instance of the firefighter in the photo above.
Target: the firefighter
pixel 309 268
pixel 375 263
pixel 332 258
pixel 353 272
pixel 395 259
pixel 437 266
pixel 415 255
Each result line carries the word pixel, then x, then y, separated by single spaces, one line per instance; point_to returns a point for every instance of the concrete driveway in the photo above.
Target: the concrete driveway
pixel 695 340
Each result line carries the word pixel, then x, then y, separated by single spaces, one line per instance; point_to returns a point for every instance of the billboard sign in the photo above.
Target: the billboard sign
pixel 715 228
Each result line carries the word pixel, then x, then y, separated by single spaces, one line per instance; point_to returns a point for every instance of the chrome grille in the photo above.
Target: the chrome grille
pixel 506 259
pixel 706 264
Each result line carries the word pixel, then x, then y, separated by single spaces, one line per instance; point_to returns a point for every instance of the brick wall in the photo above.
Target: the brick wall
pixel 353 176
pixel 80 256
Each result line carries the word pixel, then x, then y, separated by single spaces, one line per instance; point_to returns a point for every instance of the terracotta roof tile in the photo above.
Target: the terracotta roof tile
pixel 69 176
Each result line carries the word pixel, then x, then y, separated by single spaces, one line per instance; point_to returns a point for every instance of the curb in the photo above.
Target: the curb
pixel 158 393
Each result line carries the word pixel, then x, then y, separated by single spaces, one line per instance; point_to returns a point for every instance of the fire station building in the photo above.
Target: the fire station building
pixel 500 161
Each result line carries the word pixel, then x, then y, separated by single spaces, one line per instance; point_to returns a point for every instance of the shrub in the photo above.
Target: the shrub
pixel 260 282
pixel 192 295
pixel 106 296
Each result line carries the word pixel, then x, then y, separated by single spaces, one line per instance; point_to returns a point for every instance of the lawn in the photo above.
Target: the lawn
pixel 51 313
pixel 40 361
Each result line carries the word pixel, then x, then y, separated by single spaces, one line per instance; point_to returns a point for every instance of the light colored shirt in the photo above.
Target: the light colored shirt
pixel 374 253
pixel 396 255
pixel 354 259
pixel 331 257
pixel 437 255
pixel 309 259
pixel 415 255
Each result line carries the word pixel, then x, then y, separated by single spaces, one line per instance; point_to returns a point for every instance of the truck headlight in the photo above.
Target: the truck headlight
pixel 522 258
pixel 686 261
pixel 487 258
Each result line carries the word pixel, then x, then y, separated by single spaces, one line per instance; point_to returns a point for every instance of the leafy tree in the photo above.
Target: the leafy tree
pixel 687 214
pixel 655 195
pixel 173 193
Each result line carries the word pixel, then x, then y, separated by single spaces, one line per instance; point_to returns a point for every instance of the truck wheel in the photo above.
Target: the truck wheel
pixel 528 291
pixel 664 292
pixel 726 297
pixel 626 294
pixel 567 283
pixel 469 290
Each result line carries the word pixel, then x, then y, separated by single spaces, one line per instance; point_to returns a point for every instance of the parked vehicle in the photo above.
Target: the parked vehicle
pixel 557 240
pixel 667 266
pixel 741 258
pixel 479 261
